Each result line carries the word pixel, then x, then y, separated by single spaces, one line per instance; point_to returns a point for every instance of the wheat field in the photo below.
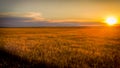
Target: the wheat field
pixel 79 47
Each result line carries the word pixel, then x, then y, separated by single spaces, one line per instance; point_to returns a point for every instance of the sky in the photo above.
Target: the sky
pixel 36 13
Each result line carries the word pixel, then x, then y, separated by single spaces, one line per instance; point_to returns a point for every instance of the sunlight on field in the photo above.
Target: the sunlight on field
pixel 65 47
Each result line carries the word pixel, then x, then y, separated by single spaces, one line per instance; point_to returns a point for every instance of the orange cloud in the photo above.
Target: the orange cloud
pixel 73 20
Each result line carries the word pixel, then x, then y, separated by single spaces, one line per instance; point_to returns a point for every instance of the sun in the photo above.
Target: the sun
pixel 111 20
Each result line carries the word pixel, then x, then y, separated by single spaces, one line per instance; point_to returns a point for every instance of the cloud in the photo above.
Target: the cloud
pixel 27 19
pixel 35 19
pixel 34 16
pixel 21 22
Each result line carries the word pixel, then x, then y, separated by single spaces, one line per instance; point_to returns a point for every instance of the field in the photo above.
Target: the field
pixel 80 47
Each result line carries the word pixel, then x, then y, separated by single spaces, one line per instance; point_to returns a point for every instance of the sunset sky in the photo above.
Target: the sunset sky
pixel 35 13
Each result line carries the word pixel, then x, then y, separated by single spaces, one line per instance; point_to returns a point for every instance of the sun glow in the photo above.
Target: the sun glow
pixel 111 20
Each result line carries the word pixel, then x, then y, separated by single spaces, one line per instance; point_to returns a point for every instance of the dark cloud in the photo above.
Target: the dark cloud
pixel 13 18
pixel 23 22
